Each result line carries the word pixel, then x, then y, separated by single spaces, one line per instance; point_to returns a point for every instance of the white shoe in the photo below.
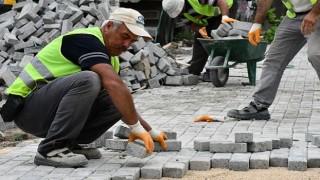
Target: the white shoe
pixel 61 158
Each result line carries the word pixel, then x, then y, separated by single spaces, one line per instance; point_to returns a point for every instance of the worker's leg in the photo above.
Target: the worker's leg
pixel 287 43
pixel 313 49
pixel 199 55
pixel 59 110
pixel 103 116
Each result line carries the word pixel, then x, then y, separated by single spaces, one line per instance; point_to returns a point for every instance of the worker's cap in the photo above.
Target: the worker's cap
pixel 132 19
pixel 173 7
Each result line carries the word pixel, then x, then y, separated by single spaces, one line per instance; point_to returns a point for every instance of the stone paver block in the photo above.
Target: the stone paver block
pixel 201 144
pixel 279 157
pixel 152 171
pixel 239 162
pixel 309 135
pixel 243 137
pixel 122 132
pixel 285 142
pixel 116 144
pixel 228 147
pixel 136 149
pixel 257 146
pixel 275 143
pixel 220 160
pixel 200 163
pixel 174 169
pixel 127 173
pixel 190 79
pixel 313 158
pixel 297 163
pixel 259 160
pixel 174 80
pixel 172 145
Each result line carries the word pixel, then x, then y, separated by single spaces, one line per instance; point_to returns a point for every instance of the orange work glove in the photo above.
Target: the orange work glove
pixel 159 136
pixel 254 34
pixel 227 19
pixel 203 32
pixel 137 131
pixel 204 118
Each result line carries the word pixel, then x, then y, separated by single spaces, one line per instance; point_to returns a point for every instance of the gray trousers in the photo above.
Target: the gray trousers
pixel 287 42
pixel 67 111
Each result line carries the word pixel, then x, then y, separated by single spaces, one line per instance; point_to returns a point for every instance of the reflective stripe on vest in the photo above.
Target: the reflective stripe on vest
pixel 290 12
pixel 42 70
pixel 205 10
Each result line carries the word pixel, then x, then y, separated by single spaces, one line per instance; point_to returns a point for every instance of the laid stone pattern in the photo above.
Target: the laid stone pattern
pixel 248 153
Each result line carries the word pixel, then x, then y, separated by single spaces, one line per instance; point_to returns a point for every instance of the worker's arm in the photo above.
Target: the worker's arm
pixel 309 22
pixel 255 31
pixel 262 8
pixel 123 102
pixel 223 5
pixel 117 91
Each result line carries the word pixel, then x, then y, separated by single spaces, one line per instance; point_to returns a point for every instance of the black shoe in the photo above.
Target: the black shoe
pixel 250 112
pixel 205 77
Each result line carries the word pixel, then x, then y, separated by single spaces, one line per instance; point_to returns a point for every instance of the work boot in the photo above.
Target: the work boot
pixel 89 153
pixel 250 112
pixel 205 77
pixel 61 158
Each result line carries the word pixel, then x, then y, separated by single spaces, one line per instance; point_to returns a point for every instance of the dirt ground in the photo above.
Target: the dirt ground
pixel 14 137
pixel 253 174
pixel 11 138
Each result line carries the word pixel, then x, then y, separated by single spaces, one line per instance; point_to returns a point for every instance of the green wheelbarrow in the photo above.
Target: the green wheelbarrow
pixel 235 51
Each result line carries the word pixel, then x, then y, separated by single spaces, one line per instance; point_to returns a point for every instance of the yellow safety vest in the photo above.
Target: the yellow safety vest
pixel 290 12
pixel 10 2
pixel 206 10
pixel 50 64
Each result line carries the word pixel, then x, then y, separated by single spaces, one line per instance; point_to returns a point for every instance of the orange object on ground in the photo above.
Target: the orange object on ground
pixel 204 118
pixel 208 118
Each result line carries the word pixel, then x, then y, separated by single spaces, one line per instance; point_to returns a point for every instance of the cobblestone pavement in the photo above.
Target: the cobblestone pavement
pixel 295 111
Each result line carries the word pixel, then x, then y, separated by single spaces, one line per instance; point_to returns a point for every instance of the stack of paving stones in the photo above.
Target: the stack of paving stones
pixel 29 26
pixel 247 152
pixel 147 64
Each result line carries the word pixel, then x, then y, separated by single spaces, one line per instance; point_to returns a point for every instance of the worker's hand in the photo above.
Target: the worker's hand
pixel 206 118
pixel 309 22
pixel 254 34
pixel 159 136
pixel 203 32
pixel 227 19
pixel 137 131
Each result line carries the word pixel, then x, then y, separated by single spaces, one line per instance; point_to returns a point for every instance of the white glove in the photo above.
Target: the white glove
pixel 227 19
pixel 137 131
pixel 159 136
pixel 254 34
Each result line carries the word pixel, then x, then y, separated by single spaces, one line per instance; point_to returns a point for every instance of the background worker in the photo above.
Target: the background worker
pixel 199 14
pixel 70 93
pixel 300 26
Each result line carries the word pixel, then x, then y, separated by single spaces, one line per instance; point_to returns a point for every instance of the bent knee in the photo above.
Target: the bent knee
pixel 91 79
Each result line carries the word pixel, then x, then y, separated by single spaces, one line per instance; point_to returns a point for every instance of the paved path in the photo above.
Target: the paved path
pixel 295 111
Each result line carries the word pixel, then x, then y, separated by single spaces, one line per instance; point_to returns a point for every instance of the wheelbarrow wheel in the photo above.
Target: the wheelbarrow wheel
pixel 219 77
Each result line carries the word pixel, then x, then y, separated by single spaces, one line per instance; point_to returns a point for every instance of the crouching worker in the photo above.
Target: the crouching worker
pixel 71 93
